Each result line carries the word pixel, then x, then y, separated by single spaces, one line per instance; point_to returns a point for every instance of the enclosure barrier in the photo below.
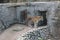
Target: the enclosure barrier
pixel 10 13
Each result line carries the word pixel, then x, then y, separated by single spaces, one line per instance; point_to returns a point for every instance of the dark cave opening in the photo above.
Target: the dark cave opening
pixel 44 22
pixel 23 17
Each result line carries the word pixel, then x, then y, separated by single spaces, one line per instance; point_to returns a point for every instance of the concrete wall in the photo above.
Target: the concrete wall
pixel 10 15
pixel 55 24
pixel 19 9
pixel 52 16
pixel 7 15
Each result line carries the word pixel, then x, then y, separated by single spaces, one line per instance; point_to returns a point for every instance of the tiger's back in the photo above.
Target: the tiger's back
pixel 37 18
pixel 34 20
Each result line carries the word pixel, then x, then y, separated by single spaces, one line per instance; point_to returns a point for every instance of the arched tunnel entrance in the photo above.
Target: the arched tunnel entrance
pixel 23 17
pixel 42 13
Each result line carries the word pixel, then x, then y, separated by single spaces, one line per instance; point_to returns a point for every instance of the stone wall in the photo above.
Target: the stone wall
pixel 10 15
pixel 7 15
pixel 55 24
pixel 2 27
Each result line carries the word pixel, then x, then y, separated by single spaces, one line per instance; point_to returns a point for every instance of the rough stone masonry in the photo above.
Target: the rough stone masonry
pixel 10 14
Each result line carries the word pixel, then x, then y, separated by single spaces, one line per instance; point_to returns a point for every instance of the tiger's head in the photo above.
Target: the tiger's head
pixel 41 18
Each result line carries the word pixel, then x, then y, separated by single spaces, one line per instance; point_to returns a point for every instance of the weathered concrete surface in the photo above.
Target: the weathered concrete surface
pixel 55 25
pixel 9 14
pixel 2 27
pixel 12 32
pixel 17 31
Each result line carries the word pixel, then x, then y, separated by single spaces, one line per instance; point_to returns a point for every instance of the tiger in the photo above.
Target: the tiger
pixel 33 21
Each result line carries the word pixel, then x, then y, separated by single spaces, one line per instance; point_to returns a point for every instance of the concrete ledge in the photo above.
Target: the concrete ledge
pixel 24 3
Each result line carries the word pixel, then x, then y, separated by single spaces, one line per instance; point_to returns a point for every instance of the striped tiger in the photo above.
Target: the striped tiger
pixel 34 20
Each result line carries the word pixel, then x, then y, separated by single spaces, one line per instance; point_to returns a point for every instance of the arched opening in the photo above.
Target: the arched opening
pixel 41 13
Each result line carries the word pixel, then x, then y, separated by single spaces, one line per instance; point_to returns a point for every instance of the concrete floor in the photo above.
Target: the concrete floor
pixel 13 32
